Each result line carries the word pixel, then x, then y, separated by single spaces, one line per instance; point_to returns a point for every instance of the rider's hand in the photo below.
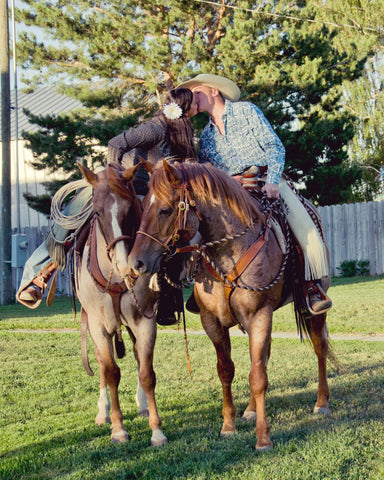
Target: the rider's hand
pixel 271 190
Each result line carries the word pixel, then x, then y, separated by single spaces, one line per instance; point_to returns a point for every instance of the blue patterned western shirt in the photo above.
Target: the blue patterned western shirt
pixel 249 140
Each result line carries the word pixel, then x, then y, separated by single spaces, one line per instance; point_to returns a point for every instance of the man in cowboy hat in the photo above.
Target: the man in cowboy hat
pixel 238 135
pixel 239 139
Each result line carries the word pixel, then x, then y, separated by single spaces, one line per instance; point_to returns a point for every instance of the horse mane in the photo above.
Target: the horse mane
pixel 115 180
pixel 209 185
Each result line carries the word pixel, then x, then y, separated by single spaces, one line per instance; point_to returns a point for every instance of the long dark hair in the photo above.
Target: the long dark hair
pixel 180 130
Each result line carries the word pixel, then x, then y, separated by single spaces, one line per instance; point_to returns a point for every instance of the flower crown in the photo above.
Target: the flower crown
pixel 172 111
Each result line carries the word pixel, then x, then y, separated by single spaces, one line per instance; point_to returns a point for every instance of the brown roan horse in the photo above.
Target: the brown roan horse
pixel 106 302
pixel 188 198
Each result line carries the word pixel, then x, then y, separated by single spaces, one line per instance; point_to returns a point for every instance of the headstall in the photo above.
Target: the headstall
pixel 186 203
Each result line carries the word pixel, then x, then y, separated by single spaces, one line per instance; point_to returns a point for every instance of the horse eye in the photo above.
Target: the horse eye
pixel 165 211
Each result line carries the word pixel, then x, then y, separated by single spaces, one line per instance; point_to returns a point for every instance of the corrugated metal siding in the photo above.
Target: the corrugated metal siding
pixel 43 101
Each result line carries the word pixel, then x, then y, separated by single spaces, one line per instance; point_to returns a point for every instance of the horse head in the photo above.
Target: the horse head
pixel 170 218
pixel 117 211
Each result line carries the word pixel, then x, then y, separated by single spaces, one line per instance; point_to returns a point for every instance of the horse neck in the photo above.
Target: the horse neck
pixel 218 226
pixel 219 223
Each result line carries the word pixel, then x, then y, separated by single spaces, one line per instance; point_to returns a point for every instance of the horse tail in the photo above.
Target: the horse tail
pixel 303 318
pixel 119 345
pixel 84 352
pixel 297 282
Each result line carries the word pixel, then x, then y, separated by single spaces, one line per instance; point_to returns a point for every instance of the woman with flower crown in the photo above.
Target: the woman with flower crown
pixel 168 134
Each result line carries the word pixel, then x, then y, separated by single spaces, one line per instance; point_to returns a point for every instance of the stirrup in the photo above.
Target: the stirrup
pixel 323 295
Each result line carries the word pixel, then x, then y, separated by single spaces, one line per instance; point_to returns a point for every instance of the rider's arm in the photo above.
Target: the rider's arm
pixel 274 150
pixel 145 137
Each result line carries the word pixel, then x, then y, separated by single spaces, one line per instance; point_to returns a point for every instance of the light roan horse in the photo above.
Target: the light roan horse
pixel 241 276
pixel 107 304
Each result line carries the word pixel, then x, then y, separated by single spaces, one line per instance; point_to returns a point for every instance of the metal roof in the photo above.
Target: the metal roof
pixel 43 101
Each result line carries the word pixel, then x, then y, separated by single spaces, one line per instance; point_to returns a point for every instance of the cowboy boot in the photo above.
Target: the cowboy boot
pixel 170 301
pixel 31 295
pixel 318 301
pixel 191 304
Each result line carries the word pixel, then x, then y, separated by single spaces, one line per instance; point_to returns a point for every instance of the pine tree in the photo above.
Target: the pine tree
pixel 360 25
pixel 118 57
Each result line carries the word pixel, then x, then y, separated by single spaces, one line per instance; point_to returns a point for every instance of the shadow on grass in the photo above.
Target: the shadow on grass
pixel 195 449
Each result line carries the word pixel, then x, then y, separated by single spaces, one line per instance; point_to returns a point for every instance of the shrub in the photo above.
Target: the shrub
pixel 353 268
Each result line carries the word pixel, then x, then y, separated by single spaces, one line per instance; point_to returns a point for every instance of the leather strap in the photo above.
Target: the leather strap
pixel 52 289
pixel 238 269
pixel 111 288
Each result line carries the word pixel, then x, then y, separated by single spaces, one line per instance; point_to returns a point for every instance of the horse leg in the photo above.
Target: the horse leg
pixel 319 337
pixel 144 346
pixel 249 414
pixel 109 374
pixel 260 348
pixel 104 405
pixel 141 399
pixel 219 336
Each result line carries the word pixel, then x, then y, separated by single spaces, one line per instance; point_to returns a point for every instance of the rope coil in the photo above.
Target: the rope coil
pixel 71 223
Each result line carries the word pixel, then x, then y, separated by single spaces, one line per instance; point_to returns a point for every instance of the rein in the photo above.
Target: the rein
pixel 104 285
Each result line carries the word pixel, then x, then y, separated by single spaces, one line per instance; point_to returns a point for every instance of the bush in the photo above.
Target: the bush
pixel 353 268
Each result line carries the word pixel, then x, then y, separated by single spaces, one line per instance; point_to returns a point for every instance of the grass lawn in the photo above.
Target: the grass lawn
pixel 48 403
pixel 358 306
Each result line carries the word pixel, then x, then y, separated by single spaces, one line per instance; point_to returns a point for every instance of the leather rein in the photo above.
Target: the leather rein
pixel 104 285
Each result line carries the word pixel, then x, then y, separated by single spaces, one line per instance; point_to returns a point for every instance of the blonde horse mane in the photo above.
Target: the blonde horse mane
pixel 209 185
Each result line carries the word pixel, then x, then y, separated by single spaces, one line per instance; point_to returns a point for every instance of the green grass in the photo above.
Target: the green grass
pixel 358 306
pixel 48 403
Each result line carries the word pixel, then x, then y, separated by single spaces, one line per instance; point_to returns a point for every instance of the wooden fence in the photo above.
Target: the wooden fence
pixel 355 232
pixel 352 232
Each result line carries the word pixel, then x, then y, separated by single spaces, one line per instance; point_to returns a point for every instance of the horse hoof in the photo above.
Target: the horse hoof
pixel 144 413
pixel 102 420
pixel 249 416
pixel 321 411
pixel 265 448
pixel 119 437
pixel 158 438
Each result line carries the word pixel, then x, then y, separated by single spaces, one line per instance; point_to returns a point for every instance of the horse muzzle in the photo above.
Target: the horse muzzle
pixel 144 266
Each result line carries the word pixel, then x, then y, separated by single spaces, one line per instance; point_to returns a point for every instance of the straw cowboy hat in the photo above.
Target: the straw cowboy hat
pixel 226 87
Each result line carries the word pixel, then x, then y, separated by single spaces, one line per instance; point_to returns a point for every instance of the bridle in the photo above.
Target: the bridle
pixel 185 204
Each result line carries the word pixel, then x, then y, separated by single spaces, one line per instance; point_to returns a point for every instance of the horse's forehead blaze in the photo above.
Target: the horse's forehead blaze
pixel 114 209
pixel 116 218
pixel 152 200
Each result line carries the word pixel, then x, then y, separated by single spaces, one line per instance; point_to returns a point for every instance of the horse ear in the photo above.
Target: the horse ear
pixel 87 174
pixel 129 173
pixel 147 165
pixel 173 175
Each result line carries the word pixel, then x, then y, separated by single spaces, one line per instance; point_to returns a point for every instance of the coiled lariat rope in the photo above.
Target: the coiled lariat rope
pixel 73 223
